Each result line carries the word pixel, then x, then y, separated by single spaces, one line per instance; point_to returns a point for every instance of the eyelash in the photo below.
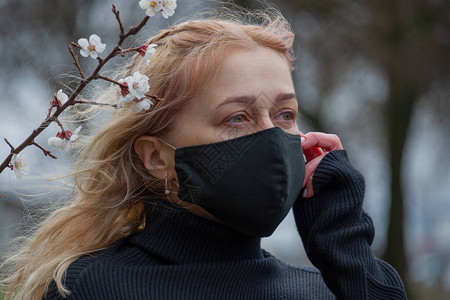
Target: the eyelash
pixel 228 120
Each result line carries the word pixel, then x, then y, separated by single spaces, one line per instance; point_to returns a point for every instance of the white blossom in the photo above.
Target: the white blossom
pixel 57 142
pixel 138 85
pixel 149 53
pixel 125 92
pixel 74 135
pixel 63 140
pixel 151 7
pixel 91 47
pixel 19 165
pixel 143 104
pixel 168 7
pixel 62 97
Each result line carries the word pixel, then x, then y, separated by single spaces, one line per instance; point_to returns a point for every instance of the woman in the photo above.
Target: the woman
pixel 172 202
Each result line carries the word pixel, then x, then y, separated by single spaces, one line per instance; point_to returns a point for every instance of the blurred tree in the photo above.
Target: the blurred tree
pixel 41 24
pixel 409 40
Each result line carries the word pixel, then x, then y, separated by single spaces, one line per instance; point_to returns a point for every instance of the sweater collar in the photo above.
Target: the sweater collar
pixel 178 236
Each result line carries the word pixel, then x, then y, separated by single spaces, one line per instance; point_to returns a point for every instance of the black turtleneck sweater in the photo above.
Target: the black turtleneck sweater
pixel 179 255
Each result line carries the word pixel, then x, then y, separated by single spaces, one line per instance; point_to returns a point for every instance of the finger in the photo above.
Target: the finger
pixel 312 153
pixel 308 191
pixel 310 168
pixel 326 141
pixel 309 153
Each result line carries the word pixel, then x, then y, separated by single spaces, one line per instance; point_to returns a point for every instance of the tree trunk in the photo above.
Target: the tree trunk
pixel 399 110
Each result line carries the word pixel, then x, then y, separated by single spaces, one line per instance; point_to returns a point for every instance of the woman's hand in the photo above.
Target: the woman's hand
pixel 315 146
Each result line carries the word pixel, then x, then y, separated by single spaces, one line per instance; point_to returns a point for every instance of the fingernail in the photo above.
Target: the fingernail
pixel 302 139
pixel 305 192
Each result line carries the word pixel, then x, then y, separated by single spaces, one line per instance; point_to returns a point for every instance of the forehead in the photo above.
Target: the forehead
pixel 245 72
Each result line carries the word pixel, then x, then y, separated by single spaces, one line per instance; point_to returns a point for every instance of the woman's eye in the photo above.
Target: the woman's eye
pixel 237 119
pixel 287 116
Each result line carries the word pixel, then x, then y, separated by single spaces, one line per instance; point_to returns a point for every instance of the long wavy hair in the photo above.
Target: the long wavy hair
pixel 110 180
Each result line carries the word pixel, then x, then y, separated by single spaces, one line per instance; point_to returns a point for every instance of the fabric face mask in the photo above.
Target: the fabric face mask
pixel 249 183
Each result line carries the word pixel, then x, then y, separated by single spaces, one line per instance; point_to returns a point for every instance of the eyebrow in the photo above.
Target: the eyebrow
pixel 249 99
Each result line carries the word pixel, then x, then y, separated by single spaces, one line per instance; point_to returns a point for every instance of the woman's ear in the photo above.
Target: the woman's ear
pixel 157 158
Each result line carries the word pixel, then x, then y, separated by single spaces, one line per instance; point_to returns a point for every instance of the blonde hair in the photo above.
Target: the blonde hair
pixel 110 180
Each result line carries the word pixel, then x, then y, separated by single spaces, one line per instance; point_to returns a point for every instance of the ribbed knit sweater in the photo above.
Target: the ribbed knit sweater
pixel 179 255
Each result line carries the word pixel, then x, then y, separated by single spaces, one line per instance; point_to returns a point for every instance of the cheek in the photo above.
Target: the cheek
pixel 191 135
pixel 293 129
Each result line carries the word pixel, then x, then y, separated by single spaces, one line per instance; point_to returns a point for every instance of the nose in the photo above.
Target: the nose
pixel 264 122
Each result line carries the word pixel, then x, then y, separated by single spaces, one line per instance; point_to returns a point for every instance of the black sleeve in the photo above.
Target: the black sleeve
pixel 74 281
pixel 52 293
pixel 337 234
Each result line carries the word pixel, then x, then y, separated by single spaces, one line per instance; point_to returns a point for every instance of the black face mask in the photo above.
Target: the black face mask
pixel 249 183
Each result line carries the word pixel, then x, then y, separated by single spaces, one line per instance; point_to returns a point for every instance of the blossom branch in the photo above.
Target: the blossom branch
pixel 76 62
pixel 46 152
pixel 82 84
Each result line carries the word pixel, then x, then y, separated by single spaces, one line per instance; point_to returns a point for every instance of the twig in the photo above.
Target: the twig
pixel 55 103
pixel 116 13
pixel 135 29
pixel 49 111
pixel 76 62
pixel 60 124
pixel 111 80
pixel 46 152
pixel 137 49
pixel 95 103
pixel 9 144
pixel 75 45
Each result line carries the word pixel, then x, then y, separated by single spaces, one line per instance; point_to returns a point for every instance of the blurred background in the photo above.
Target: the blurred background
pixel 374 72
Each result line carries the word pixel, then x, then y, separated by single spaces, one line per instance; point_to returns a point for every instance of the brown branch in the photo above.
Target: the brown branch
pixel 46 152
pixel 76 45
pixel 9 144
pixel 135 29
pixel 116 13
pixel 60 124
pixel 112 80
pixel 76 62
pixel 95 103
pixel 137 49
pixel 49 111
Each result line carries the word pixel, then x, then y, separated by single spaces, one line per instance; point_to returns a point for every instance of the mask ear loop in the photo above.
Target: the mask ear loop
pixel 165 143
